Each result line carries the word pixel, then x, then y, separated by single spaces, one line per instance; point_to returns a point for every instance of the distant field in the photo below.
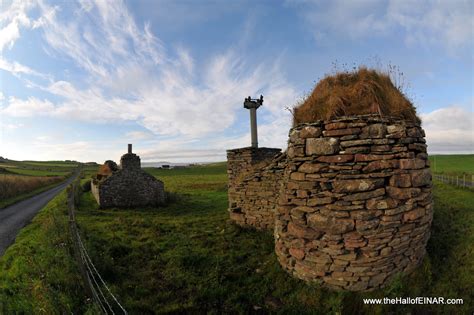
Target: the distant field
pixel 51 163
pixel 452 164
pixel 31 168
pixel 32 172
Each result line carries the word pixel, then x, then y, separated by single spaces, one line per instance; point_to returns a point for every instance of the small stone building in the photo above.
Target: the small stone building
pixel 126 185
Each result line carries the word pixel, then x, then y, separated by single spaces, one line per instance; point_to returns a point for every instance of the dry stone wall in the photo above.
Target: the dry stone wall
pixel 255 177
pixel 356 204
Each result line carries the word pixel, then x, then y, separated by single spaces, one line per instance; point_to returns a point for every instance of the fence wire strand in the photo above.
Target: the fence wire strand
pixel 92 277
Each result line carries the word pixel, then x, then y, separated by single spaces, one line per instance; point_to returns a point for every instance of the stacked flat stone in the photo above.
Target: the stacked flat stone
pixel 255 176
pixel 356 205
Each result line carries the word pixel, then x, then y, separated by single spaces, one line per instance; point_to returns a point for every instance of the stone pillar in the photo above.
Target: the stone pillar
pixel 253 127
pixel 252 105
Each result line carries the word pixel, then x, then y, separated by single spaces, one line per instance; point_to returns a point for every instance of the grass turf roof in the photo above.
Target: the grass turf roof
pixel 365 91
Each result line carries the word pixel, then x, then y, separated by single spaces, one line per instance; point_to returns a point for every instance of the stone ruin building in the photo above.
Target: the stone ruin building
pixel 126 185
pixel 349 201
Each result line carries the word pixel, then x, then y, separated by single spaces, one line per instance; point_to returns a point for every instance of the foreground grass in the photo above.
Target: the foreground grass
pixel 38 274
pixel 187 257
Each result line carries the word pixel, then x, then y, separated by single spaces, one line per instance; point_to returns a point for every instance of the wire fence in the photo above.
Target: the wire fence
pixel 465 180
pixel 95 284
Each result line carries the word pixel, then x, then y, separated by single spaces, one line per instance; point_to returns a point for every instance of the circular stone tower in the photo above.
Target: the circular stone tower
pixel 356 208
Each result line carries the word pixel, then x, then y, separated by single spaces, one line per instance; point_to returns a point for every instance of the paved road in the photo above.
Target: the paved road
pixel 16 216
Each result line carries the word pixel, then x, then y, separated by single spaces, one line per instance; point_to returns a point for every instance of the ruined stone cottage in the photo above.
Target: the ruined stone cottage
pixel 350 201
pixel 126 185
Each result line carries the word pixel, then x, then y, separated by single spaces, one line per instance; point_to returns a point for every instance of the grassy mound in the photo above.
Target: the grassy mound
pixel 364 91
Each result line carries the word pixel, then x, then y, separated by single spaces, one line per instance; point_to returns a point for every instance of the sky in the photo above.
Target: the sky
pixel 81 79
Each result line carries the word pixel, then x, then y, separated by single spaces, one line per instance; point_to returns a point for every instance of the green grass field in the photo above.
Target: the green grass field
pixel 31 168
pixel 452 164
pixel 188 257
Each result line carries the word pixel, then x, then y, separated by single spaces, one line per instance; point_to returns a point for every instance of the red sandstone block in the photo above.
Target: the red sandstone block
pixel 310 132
pixel 414 214
pixel 363 225
pixel 302 232
pixel 421 177
pixel 351 244
pixel 380 148
pixel 356 185
pixel 365 214
pixel 337 125
pixel 415 132
pixel 341 158
pixel 402 193
pixel 341 132
pixel 322 146
pixel 381 204
pixel 308 167
pixel 412 163
pixel 298 253
pixel 380 165
pixel 317 201
pixel 374 131
pixel 308 272
pixel 365 195
pixel 297 176
pixel 373 157
pixel 400 180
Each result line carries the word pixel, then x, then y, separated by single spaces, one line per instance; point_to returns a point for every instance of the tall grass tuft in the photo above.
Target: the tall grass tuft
pixel 14 185
pixel 362 91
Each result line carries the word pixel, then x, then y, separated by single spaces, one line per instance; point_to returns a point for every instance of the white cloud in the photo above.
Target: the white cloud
pixel 16 68
pixel 11 20
pixel 12 126
pixel 445 23
pixel 449 130
pixel 27 108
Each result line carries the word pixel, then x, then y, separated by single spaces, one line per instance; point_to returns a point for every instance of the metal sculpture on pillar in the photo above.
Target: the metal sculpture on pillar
pixel 253 105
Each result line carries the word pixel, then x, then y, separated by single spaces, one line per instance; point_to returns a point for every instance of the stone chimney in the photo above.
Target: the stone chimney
pixel 130 161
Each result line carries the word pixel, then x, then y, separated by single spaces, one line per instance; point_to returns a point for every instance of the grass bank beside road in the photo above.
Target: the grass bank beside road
pixel 38 274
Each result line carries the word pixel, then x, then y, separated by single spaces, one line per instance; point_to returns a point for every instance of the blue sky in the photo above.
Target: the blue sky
pixel 80 80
